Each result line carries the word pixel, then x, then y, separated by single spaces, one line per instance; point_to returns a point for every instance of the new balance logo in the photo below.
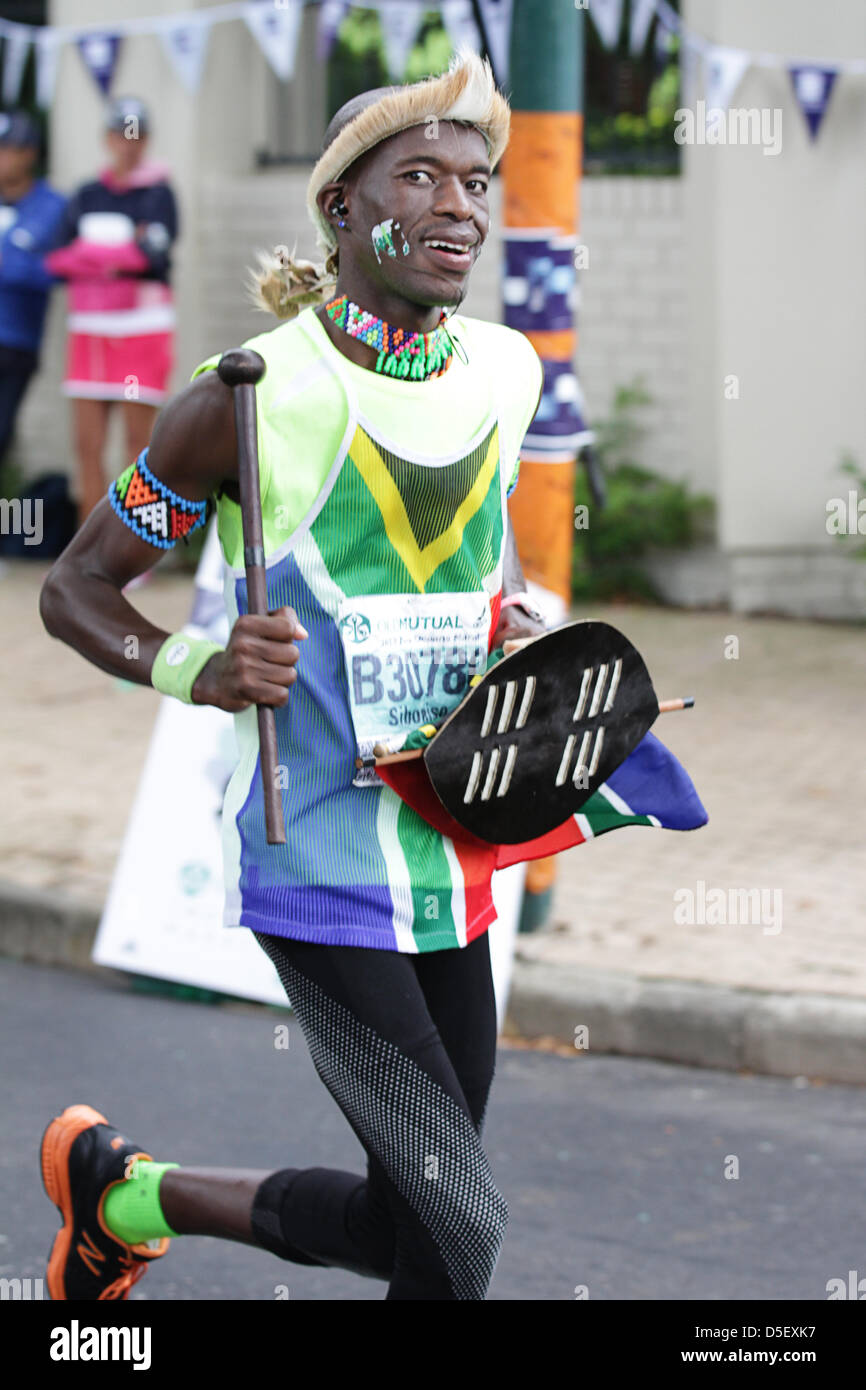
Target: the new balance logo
pixel 89 1252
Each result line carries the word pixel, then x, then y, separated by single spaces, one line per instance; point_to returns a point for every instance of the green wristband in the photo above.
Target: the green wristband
pixel 178 663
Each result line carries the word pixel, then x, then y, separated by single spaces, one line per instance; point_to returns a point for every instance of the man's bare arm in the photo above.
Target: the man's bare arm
pixel 194 452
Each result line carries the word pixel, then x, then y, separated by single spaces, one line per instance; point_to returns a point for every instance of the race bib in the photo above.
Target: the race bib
pixel 409 661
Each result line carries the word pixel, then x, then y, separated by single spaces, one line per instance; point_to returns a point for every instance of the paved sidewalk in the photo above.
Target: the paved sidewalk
pixel 773 746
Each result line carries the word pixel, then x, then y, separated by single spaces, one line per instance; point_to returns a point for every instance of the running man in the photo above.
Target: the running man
pixel 389 431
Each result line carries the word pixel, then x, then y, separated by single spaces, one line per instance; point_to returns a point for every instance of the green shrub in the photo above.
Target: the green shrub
pixel 643 511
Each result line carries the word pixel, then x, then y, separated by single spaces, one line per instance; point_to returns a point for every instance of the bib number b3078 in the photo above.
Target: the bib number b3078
pixel 409 661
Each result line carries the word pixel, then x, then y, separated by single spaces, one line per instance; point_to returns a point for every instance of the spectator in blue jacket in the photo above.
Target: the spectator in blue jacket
pixel 31 217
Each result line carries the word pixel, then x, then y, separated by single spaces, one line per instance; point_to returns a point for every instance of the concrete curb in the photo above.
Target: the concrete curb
pixel 812 1035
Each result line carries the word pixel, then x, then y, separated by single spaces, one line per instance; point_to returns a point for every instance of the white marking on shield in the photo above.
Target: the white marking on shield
pixel 505 782
pixel 614 683
pixel 492 697
pixel 596 752
pixel 580 765
pixel 507 706
pixel 528 693
pixel 584 689
pixel 491 775
pixel 474 774
pixel 599 691
pixel 566 759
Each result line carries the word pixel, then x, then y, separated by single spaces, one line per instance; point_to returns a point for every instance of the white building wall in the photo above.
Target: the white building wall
pixel 776 283
pixel 749 265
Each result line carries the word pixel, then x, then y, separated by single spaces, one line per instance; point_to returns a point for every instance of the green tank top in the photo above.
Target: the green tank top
pixel 384 513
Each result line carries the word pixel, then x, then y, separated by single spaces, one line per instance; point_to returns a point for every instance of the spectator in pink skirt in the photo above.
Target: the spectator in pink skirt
pixel 115 255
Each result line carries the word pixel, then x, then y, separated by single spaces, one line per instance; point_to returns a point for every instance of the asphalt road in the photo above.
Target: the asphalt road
pixel 613 1169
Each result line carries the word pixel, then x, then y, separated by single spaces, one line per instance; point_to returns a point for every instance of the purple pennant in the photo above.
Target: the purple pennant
pixel 812 88
pixel 99 51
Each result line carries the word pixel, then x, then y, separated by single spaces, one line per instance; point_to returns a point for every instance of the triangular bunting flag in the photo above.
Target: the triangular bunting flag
pixel 690 66
pixel 17 38
pixel 459 21
pixel 186 45
pixel 331 16
pixel 276 31
pixel 400 24
pixel 642 12
pixel 496 15
pixel 99 52
pixel 48 45
pixel 812 88
pixel 723 68
pixel 607 18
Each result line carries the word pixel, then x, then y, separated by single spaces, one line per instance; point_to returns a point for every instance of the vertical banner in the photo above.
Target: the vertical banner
pixel 17 47
pixel 276 32
pixel 186 46
pixel 400 24
pixel 99 52
pixel 164 911
pixel 812 88
pixel 496 16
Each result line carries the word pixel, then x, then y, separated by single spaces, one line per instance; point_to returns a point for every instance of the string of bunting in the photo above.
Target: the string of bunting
pixel 724 66
pixel 275 25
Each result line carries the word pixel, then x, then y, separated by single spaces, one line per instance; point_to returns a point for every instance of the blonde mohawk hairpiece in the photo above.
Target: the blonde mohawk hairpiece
pixel 465 93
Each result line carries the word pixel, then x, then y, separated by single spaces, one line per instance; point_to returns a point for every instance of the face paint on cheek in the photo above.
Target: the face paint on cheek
pixel 383 238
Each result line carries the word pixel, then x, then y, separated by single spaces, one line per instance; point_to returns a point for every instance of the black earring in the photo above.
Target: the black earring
pixel 341 210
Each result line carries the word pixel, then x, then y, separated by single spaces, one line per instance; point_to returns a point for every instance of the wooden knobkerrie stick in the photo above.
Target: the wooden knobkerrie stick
pixel 540 732
pixel 241 368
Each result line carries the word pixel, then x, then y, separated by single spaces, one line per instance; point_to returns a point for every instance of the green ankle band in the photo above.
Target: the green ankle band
pixel 132 1211
pixel 178 663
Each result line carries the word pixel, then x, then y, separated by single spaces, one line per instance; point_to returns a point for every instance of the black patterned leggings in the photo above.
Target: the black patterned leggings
pixel 406 1045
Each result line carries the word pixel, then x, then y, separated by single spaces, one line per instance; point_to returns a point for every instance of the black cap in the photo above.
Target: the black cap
pixel 19 128
pixel 121 110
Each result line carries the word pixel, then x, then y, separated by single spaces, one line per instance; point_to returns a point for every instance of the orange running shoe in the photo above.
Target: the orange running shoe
pixel 83 1157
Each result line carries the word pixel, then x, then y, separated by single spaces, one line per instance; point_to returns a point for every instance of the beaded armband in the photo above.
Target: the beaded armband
pixel 150 509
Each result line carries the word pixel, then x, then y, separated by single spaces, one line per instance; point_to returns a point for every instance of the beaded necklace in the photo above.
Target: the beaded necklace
pixel 417 356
